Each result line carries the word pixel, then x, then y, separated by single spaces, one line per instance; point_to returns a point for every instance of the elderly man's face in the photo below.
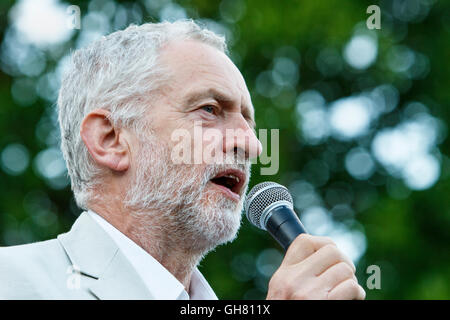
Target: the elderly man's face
pixel 205 87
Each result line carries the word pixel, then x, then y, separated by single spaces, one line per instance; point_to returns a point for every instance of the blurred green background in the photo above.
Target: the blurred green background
pixel 362 116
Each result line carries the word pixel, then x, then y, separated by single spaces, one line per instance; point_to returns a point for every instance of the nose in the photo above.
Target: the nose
pixel 240 139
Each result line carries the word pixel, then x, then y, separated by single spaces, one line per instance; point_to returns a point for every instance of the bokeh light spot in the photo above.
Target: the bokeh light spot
pixel 361 51
pixel 14 159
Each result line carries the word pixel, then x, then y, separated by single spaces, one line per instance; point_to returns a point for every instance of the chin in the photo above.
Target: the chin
pixel 221 219
pixel 225 232
pixel 212 221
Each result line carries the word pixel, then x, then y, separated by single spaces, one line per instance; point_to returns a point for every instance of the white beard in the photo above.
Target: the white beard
pixel 180 198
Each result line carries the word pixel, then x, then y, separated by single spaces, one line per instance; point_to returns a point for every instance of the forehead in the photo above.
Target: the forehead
pixel 197 67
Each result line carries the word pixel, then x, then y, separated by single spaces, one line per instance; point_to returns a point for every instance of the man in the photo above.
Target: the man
pixel 149 219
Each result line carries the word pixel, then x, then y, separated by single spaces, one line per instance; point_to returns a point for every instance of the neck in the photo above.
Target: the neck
pixel 159 238
pixel 166 244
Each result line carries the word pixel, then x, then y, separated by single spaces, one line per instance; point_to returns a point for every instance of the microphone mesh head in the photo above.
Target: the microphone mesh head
pixel 261 196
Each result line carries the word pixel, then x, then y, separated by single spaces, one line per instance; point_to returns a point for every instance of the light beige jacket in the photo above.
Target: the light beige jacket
pixel 84 263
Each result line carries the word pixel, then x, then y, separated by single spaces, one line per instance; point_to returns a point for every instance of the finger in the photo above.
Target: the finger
pixel 303 246
pixel 324 258
pixel 336 274
pixel 347 290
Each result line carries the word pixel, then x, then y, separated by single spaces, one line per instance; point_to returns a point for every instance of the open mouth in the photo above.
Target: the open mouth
pixel 233 180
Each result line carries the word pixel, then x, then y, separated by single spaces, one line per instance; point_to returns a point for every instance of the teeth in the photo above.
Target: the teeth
pixel 232 177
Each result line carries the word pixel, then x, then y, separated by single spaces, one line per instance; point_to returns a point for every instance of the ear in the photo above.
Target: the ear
pixel 106 144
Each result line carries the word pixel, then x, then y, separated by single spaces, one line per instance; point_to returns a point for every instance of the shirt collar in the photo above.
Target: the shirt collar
pixel 159 281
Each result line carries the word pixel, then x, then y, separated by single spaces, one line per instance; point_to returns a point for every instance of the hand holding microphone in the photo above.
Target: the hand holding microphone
pixel 313 267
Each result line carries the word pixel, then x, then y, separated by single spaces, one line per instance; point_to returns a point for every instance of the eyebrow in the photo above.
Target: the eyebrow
pixel 210 93
pixel 221 98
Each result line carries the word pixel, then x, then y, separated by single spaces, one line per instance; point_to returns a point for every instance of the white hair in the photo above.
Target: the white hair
pixel 120 73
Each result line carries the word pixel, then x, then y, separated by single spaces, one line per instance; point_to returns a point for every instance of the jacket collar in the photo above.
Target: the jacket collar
pixel 95 254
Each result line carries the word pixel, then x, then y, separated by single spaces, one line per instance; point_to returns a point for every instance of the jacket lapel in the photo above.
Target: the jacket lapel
pixel 95 254
pixel 120 281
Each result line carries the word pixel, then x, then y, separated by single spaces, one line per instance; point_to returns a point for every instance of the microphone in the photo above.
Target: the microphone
pixel 269 206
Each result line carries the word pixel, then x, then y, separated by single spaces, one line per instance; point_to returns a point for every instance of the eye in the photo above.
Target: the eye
pixel 209 109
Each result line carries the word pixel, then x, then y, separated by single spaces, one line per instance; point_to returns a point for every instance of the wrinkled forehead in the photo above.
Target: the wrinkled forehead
pixel 195 66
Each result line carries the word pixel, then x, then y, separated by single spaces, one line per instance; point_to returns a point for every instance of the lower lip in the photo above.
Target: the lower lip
pixel 230 194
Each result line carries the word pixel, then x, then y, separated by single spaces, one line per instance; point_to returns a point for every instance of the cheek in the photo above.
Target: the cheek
pixel 212 146
pixel 165 124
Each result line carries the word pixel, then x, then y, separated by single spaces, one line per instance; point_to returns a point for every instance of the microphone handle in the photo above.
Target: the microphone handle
pixel 284 225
